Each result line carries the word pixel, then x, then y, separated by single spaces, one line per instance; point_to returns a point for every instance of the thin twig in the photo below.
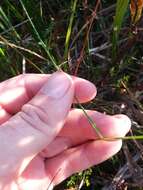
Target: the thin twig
pixel 79 60
pixel 14 27
pixel 5 42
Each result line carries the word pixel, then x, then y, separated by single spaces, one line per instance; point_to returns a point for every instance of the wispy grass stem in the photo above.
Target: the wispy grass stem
pixel 39 37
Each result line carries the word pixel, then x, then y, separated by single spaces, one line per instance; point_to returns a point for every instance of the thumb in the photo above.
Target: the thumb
pixel 36 125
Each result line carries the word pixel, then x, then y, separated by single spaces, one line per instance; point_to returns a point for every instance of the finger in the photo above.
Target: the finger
pixel 17 91
pixel 85 91
pixel 40 120
pixel 65 164
pixel 109 126
pixel 80 158
pixel 78 130
pixel 4 115
pixel 34 177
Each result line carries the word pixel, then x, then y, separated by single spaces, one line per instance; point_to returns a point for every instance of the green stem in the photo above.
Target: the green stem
pixel 139 137
pixel 90 120
pixel 69 30
pixel 39 38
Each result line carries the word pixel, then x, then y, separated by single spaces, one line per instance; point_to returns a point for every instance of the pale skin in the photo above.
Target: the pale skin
pixel 43 140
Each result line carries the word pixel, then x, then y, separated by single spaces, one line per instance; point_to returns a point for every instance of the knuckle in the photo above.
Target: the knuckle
pixel 36 117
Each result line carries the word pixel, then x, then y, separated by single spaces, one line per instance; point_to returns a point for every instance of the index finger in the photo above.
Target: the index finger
pixel 17 91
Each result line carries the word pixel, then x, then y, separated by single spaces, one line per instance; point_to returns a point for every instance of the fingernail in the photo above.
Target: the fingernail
pixel 57 85
pixel 124 118
pixel 124 121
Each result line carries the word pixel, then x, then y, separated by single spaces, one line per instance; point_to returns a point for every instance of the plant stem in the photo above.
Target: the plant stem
pixel 39 38
pixel 90 120
pixel 69 30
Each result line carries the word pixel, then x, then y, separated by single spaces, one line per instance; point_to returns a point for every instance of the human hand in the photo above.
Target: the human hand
pixel 36 152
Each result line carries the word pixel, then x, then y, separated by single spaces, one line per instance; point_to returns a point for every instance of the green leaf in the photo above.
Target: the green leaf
pixel 121 9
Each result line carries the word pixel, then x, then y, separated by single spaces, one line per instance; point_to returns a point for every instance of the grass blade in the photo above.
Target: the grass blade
pixel 138 137
pixel 90 120
pixel 69 30
pixel 121 9
pixel 39 38
pixel 6 23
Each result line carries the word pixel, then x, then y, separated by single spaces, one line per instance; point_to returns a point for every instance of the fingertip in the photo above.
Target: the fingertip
pixel 110 126
pixel 124 122
pixel 100 151
pixel 57 85
pixel 86 88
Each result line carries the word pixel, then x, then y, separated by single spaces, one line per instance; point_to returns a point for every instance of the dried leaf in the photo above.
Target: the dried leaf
pixel 136 7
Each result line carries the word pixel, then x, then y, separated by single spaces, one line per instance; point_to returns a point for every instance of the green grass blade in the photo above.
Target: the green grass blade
pixel 6 23
pixel 39 38
pixel 4 17
pixel 14 10
pixel 138 137
pixel 121 9
pixel 69 30
pixel 90 120
pixel 2 52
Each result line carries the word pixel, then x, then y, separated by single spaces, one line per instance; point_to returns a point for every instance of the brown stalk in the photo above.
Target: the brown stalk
pixel 79 60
